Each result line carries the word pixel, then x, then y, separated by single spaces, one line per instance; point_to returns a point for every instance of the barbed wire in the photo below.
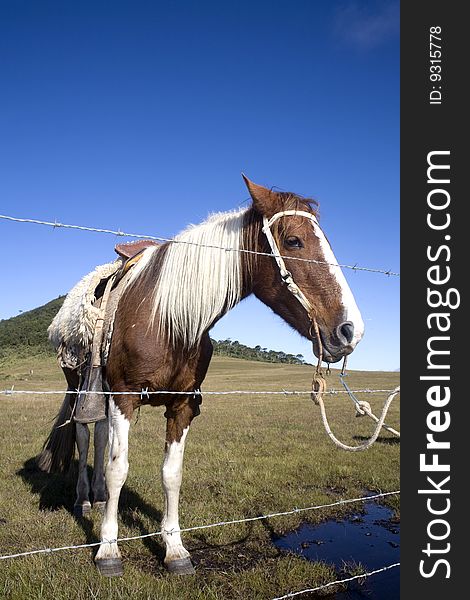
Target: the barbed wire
pixel 145 393
pixel 331 583
pixel 120 233
pixel 199 527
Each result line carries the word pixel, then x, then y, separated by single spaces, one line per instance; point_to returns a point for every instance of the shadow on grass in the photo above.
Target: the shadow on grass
pixel 272 533
pixel 236 556
pixel 57 491
pixel 389 441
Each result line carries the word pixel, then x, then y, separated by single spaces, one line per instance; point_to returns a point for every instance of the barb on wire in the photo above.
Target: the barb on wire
pixel 120 233
pixel 331 583
pixel 199 527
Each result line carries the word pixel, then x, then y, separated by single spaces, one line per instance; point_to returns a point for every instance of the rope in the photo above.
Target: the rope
pixel 319 389
pixel 199 527
pixel 55 225
pixel 363 407
pixel 374 436
pixel 318 381
pixel 326 585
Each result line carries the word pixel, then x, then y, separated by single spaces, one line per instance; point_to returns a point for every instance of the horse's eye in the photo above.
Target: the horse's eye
pixel 293 242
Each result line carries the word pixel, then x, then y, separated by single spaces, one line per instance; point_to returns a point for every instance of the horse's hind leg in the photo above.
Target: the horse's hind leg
pixel 82 504
pixel 98 484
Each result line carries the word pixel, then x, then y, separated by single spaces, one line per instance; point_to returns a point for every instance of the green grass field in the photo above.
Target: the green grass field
pixel 245 456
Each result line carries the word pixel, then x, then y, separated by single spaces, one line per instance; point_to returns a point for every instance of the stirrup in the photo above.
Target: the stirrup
pixel 91 403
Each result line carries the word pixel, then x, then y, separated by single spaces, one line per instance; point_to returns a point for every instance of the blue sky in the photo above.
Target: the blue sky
pixel 140 116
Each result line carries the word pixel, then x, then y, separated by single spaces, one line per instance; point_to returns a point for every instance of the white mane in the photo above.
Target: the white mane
pixel 197 284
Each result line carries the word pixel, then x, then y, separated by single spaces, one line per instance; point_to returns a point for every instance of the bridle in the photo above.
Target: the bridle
pixel 286 275
pixel 318 382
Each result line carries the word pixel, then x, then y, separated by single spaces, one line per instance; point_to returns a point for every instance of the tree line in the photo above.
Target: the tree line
pixel 26 334
pixel 236 350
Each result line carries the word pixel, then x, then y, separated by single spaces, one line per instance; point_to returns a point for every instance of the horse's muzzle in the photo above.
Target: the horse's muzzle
pixel 337 345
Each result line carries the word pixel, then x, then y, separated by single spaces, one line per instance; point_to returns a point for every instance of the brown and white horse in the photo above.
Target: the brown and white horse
pixel 175 294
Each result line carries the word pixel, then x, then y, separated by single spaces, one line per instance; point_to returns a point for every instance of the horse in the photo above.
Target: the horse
pixel 173 296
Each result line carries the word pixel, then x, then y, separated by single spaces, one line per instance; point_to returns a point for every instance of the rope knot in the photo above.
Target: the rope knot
pixel 363 408
pixel 318 387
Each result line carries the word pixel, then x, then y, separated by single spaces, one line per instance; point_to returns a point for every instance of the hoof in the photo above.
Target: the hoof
pixel 99 506
pixel 180 566
pixel 81 510
pixel 110 567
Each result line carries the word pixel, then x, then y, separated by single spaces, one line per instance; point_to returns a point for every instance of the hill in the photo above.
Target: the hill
pixel 26 335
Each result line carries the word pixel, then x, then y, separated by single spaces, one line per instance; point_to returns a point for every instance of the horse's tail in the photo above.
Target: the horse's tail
pixel 59 447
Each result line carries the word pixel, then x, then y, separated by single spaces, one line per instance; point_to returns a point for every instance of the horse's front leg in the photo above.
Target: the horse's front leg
pixel 108 557
pixel 177 557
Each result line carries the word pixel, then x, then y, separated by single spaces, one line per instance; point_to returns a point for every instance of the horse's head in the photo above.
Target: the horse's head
pixel 290 229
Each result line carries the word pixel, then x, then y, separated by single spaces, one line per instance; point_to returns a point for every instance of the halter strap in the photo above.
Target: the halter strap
pixel 286 275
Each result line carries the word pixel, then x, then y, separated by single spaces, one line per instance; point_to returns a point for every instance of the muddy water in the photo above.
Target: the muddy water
pixel 371 538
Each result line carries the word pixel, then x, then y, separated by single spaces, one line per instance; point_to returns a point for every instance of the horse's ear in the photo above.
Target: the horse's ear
pixel 265 201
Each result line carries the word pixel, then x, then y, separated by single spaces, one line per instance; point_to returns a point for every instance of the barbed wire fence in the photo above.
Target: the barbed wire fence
pixel 119 233
pixel 145 393
pixel 338 582
pixel 208 526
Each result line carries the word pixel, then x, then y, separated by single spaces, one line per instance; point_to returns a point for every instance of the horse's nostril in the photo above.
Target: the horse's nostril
pixel 346 332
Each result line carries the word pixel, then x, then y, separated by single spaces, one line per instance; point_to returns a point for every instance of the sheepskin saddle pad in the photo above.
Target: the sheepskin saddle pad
pixel 71 331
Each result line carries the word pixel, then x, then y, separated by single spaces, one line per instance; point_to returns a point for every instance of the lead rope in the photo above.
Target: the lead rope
pixel 318 381
pixel 362 407
pixel 375 435
pixel 319 387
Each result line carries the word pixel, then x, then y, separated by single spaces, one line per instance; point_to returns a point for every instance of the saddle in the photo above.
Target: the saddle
pixel 131 249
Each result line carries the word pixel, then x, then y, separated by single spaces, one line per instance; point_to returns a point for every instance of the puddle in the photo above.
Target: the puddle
pixel 370 538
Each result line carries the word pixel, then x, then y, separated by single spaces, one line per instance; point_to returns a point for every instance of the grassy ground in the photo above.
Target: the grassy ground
pixel 246 456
